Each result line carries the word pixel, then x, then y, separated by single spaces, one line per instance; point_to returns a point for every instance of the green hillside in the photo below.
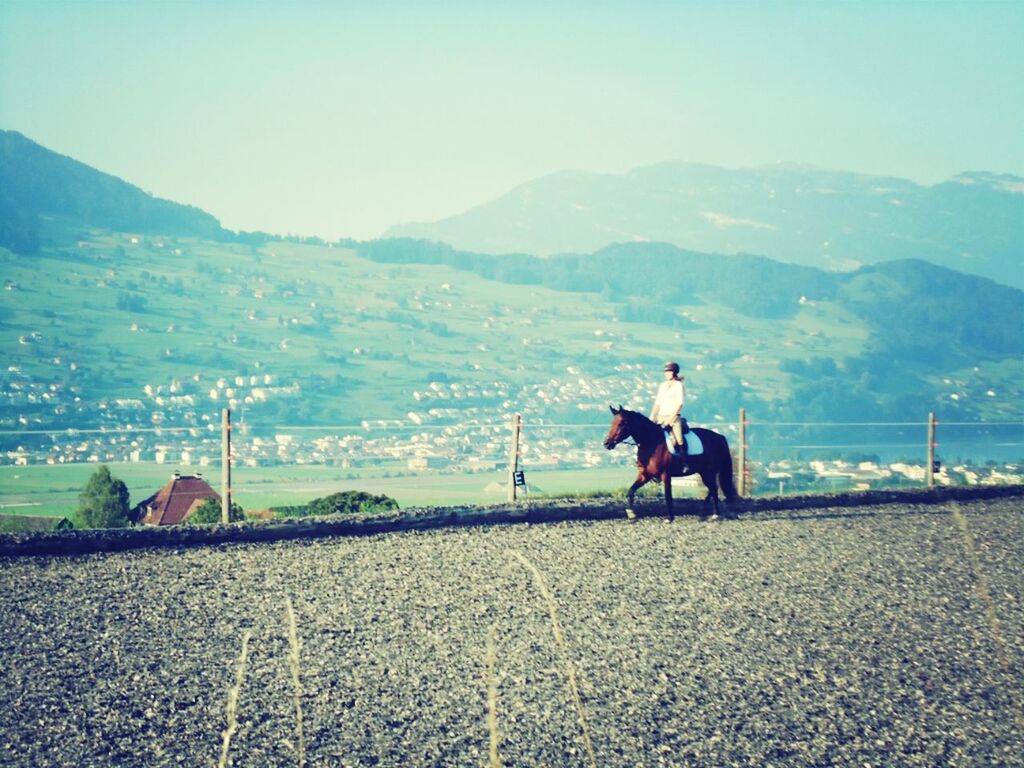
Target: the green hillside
pixel 123 310
pixel 340 337
pixel 914 321
pixel 114 328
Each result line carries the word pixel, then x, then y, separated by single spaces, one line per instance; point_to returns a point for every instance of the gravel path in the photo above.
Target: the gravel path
pixel 883 636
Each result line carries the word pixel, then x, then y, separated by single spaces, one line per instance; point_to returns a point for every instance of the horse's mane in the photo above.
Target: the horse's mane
pixel 640 422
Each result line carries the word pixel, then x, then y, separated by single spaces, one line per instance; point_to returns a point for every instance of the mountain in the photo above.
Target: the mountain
pixel 38 185
pixel 831 220
pixel 107 326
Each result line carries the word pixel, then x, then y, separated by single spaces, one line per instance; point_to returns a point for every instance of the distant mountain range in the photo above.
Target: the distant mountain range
pixel 111 292
pixel 973 223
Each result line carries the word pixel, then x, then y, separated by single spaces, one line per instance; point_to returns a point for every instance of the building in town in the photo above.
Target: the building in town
pixel 175 502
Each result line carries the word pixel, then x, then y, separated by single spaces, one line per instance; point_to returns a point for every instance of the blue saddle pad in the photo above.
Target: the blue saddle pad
pixel 694 447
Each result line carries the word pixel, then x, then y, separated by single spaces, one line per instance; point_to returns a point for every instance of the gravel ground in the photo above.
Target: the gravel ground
pixel 882 636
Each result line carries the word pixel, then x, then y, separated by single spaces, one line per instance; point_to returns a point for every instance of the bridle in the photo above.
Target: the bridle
pixel 623 427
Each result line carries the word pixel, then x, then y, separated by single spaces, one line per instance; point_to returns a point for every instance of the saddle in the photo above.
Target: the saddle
pixel 690 440
pixel 693 445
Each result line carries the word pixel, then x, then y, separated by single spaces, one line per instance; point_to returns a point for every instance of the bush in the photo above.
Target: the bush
pixel 103 503
pixel 345 502
pixel 210 512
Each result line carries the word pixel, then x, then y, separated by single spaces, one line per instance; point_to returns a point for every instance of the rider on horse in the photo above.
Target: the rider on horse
pixel 668 407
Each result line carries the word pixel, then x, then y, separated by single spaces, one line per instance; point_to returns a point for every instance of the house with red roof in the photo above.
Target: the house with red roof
pixel 173 503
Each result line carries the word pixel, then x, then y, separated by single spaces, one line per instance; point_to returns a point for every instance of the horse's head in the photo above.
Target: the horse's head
pixel 619 429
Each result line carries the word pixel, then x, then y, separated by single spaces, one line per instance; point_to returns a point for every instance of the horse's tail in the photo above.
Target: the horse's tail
pixel 725 480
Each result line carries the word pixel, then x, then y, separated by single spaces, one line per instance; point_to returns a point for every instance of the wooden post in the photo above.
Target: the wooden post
pixel 929 470
pixel 742 469
pixel 513 456
pixel 225 467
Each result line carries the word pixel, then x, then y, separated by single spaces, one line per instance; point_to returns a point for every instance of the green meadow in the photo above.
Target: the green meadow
pixel 53 490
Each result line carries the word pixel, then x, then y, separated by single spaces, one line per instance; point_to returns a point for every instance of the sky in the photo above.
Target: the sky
pixel 340 119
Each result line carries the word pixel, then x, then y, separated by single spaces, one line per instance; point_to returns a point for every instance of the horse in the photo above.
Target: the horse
pixel 655 460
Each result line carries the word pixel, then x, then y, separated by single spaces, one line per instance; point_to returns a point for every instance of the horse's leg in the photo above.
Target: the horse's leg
pixel 641 479
pixel 666 480
pixel 711 483
pixel 725 482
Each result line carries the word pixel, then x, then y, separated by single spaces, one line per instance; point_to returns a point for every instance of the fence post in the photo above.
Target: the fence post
pixel 929 470
pixel 743 453
pixel 225 467
pixel 513 456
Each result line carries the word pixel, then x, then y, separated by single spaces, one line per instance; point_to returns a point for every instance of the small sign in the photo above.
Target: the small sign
pixel 519 477
pixel 936 466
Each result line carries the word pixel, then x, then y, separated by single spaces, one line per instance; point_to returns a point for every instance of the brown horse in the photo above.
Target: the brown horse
pixel 655 460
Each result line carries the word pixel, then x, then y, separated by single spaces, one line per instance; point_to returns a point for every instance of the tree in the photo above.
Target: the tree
pixel 131 302
pixel 103 503
pixel 210 512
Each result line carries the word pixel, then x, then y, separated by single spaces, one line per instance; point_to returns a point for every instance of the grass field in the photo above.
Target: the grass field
pixel 53 490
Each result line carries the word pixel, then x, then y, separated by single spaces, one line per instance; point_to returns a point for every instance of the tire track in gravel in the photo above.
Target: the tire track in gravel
pixel 985 596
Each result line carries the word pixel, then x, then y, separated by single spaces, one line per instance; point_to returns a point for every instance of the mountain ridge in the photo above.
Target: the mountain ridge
pixel 796 213
pixel 37 182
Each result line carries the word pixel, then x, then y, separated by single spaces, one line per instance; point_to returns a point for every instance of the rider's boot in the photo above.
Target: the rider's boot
pixel 683 429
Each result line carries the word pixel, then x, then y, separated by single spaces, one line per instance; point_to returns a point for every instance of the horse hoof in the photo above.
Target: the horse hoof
pixel 709 518
pixel 630 514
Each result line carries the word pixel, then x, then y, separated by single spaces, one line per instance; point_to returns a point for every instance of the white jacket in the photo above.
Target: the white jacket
pixel 669 402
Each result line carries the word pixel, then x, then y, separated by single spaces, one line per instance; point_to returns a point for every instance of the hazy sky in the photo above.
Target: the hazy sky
pixel 339 119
